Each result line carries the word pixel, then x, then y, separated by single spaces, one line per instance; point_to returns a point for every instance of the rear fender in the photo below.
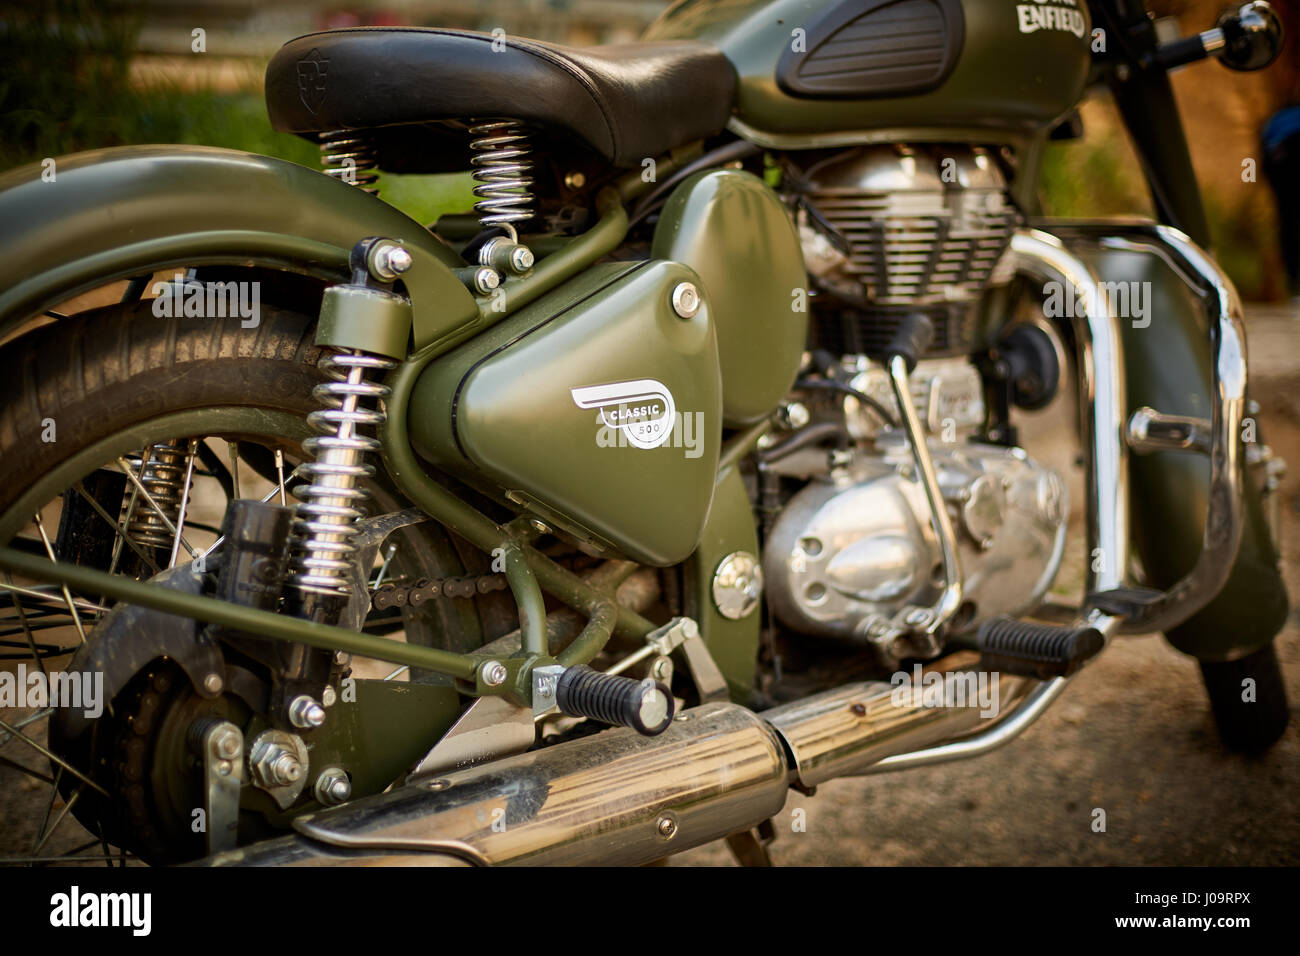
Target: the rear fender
pixel 113 213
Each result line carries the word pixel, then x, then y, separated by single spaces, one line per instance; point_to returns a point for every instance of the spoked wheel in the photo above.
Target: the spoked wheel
pixel 123 438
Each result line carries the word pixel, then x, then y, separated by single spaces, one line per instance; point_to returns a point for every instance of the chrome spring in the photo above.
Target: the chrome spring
pixel 325 518
pixel 163 473
pixel 348 156
pixel 499 165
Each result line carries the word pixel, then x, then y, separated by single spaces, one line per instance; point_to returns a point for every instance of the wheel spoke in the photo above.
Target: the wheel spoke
pixel 45 598
pixel 118 529
pixel 50 755
pixel 67 595
pixel 130 508
pixel 233 448
pixel 185 500
pixel 27 630
pixel 15 765
pixel 153 505
pixel 76 795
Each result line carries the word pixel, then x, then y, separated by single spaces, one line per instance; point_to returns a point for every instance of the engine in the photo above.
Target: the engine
pixel 888 231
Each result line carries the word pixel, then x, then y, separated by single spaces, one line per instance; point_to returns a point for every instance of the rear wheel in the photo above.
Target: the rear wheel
pixel 208 403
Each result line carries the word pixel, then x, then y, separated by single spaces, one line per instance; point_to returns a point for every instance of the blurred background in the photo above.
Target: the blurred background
pixel 83 74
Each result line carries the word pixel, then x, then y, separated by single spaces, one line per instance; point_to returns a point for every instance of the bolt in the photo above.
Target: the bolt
pixel 284 769
pixel 227 745
pixel 494 673
pixel 332 787
pixel 485 280
pixel 390 261
pixel 661 669
pixel 342 658
pixel 213 683
pixel 859 710
pixel 541 527
pixel 225 767
pixel 521 259
pixel 667 827
pixel 795 414
pixel 686 300
pixel 575 180
pixel 328 697
pixel 304 712
pixel 690 629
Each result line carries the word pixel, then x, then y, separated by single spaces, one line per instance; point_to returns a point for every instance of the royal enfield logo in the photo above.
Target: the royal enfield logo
pixel 1050 15
pixel 642 410
pixel 311 80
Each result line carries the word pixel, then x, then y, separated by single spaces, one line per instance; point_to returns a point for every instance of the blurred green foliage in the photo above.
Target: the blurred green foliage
pixel 65 86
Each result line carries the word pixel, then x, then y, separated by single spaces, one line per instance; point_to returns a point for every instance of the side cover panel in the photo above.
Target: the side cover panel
pixel 597 407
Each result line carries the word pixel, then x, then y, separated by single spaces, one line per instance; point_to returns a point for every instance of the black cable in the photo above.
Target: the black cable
pixel 830 385
pixel 717 157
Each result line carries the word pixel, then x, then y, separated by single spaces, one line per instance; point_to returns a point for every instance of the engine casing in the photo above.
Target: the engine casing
pixel 860 542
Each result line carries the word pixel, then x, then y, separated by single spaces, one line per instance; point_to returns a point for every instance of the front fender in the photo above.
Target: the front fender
pixel 112 213
pixel 1167 356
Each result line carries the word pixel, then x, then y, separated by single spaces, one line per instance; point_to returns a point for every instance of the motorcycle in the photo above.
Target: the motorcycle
pixel 681 472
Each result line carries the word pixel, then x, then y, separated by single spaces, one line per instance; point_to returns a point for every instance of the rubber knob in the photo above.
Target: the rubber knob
pixel 644 705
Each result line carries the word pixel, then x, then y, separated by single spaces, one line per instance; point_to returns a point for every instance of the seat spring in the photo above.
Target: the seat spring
pixel 348 156
pixel 498 156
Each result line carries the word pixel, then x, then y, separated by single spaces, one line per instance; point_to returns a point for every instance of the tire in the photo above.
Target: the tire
pixel 99 372
pixel 1248 726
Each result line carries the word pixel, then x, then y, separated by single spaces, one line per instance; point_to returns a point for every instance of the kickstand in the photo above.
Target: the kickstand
pixel 749 847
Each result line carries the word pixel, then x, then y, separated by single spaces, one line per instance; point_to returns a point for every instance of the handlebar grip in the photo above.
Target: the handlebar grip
pixel 646 705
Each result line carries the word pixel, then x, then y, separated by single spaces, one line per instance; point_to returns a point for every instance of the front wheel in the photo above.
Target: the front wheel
pixel 1248 698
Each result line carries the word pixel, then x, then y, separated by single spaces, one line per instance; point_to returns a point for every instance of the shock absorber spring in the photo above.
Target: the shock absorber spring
pixel 348 156
pixel 325 518
pixel 163 473
pixel 498 156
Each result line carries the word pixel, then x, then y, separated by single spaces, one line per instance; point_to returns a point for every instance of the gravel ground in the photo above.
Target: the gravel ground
pixel 1132 735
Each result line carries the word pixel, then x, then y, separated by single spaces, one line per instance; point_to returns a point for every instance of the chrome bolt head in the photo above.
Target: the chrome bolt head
pixel 332 787
pixel 284 769
pixel 494 673
pixel 213 683
pixel 686 300
pixel 666 827
pixel 328 697
pixel 485 280
pixel 305 713
pixel 390 261
pixel 227 745
pixel 575 180
pixel 521 259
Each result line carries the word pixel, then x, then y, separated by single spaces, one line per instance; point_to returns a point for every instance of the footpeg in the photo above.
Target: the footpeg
pixel 1036 650
pixel 646 706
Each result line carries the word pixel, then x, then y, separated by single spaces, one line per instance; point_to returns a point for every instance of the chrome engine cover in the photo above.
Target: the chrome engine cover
pixel 860 542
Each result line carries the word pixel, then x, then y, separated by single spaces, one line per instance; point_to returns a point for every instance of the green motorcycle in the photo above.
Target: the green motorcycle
pixel 681 471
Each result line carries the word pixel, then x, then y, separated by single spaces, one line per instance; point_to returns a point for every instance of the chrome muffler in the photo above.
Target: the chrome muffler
pixel 618 798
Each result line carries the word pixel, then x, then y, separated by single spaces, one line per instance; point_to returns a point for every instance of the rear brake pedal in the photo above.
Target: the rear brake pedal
pixel 1036 650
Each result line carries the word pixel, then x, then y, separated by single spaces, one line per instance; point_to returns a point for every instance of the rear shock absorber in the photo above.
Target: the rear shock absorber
pixel 348 156
pixel 364 328
pixel 162 476
pixel 325 519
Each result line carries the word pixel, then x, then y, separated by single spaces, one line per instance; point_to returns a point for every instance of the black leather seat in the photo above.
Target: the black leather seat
pixel 627 101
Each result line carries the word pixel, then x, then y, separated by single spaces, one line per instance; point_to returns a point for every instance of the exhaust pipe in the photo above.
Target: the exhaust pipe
pixel 618 798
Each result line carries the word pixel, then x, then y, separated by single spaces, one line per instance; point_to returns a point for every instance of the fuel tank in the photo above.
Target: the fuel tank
pixel 924 69
pixel 597 408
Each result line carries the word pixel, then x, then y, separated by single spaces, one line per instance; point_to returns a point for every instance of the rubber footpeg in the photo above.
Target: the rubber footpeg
pixel 1036 650
pixel 644 705
pixel 1124 602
